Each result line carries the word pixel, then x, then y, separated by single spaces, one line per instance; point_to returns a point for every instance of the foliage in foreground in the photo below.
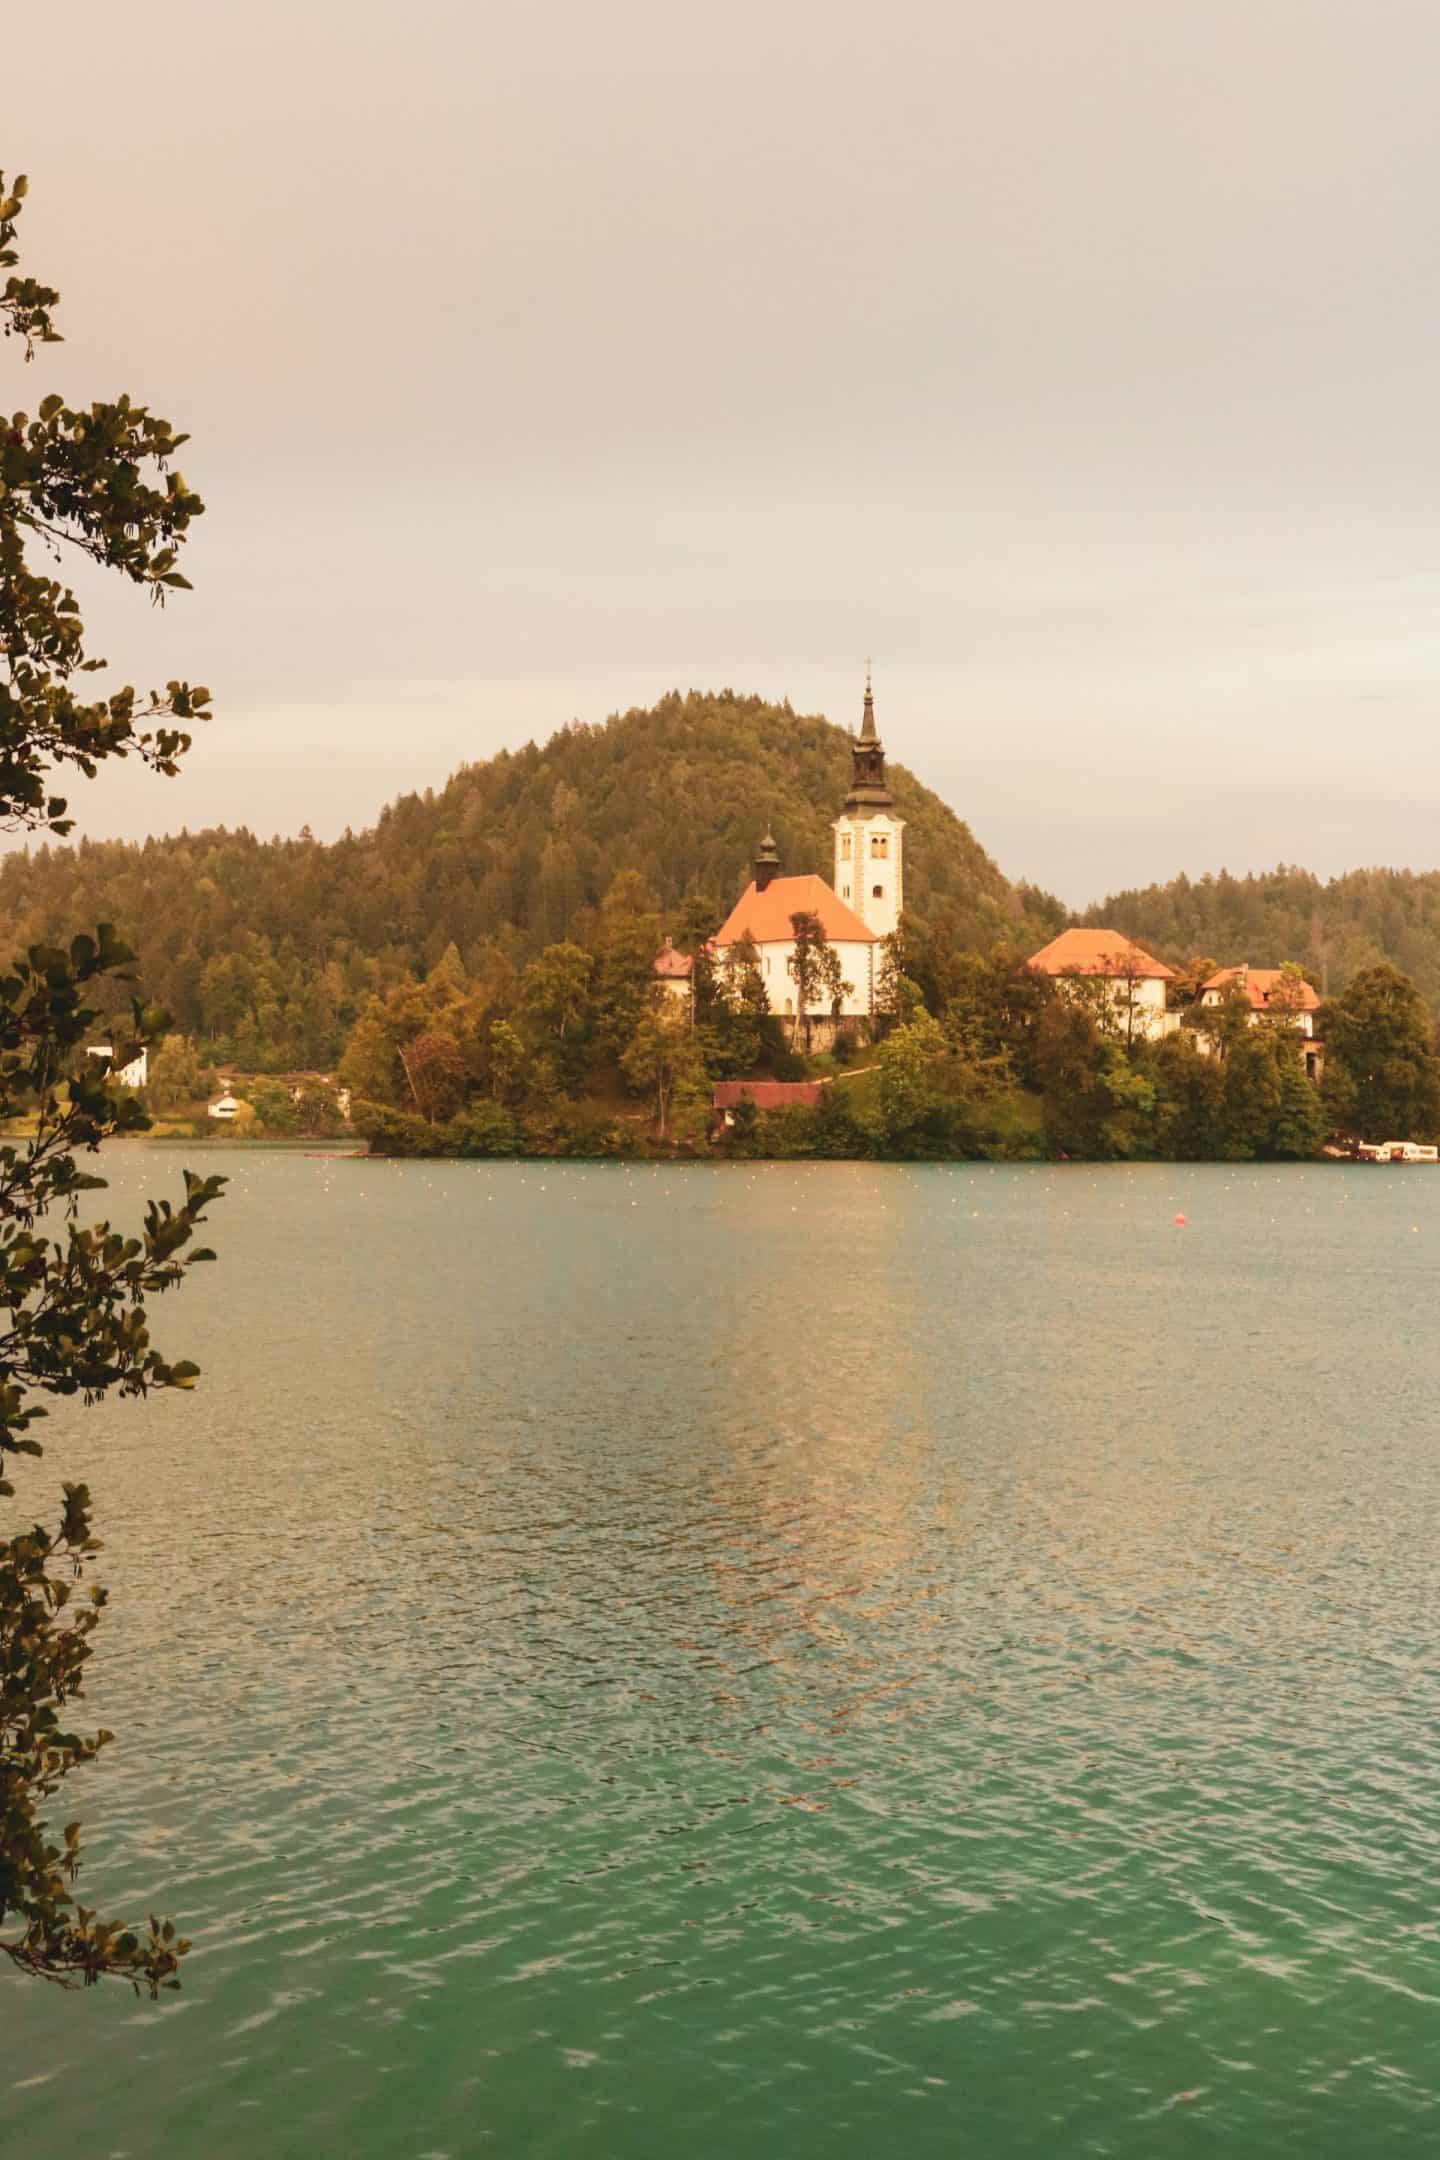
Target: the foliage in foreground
pixel 78 1325
pixel 75 1298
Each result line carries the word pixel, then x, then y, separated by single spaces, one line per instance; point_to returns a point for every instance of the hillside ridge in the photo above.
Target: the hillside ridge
pixel 272 946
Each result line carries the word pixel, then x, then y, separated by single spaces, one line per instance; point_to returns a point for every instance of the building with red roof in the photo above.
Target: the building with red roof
pixel 869 869
pixel 1114 977
pixel 763 917
pixel 675 970
pixel 1099 952
pixel 1278 995
pixel 1273 991
pixel 869 843
pixel 767 1094
pixel 763 911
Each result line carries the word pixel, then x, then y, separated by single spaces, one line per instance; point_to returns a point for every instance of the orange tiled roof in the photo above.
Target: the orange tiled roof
pixel 1098 952
pixel 765 916
pixel 1260 984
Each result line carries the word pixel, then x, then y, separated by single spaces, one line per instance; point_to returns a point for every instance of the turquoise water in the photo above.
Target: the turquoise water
pixel 787 1659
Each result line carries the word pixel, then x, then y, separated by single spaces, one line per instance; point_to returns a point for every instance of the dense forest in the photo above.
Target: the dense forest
pixel 1332 929
pixel 266 952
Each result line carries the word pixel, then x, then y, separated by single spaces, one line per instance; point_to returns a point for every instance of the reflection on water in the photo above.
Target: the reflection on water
pixel 779 1659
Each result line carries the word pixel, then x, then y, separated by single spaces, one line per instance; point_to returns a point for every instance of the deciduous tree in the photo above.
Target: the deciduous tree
pixel 663 1059
pixel 96 480
pixel 435 1073
pixel 174 1074
pixel 1382 1078
pixel 909 1060
pixel 814 966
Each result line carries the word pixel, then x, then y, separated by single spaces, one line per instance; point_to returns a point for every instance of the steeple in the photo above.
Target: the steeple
pixel 868 790
pixel 767 862
pixel 869 838
pixel 867 724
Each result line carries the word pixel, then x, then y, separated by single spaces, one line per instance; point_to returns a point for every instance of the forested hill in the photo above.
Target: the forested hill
pixel 1333 929
pixel 267 949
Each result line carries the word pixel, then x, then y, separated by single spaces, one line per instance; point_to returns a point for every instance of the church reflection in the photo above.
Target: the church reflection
pixel 837 1522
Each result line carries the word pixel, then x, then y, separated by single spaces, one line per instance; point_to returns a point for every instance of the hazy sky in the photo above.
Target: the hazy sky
pixel 1078 358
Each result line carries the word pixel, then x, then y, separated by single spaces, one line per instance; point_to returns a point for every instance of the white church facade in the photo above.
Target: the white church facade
pixel 763 914
pixel 856 913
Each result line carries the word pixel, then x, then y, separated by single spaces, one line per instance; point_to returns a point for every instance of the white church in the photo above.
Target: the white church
pixel 862 907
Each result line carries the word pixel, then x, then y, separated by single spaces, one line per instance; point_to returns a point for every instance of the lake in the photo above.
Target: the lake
pixel 770 1659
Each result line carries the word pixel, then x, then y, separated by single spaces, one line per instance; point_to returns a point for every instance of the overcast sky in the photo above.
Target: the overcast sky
pixel 1076 358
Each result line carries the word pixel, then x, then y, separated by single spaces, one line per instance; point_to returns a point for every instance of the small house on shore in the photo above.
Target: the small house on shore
pixel 1279 995
pixel 1112 976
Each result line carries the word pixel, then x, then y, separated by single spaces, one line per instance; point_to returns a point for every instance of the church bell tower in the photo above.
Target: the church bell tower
pixel 869 838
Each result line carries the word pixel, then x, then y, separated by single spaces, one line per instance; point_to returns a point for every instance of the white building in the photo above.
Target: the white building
pixel 675 972
pixel 1117 980
pixel 1287 1001
pixel 1270 994
pixel 133 1075
pixel 860 909
pixel 763 914
pixel 869 838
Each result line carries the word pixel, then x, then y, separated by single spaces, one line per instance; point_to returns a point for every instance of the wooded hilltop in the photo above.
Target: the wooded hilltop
pixel 265 952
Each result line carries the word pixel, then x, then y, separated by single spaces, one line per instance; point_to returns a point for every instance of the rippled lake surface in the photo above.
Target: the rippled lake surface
pixel 780 1660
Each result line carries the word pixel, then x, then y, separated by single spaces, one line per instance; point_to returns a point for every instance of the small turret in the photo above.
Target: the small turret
pixel 767 862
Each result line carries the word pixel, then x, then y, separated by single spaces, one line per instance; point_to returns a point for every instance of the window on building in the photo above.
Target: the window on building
pixel 879 845
pixel 877 892
pixel 845 847
pixel 844 892
pixel 767 963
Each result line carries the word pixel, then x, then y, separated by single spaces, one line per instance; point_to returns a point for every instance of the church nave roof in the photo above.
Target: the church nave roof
pixel 765 916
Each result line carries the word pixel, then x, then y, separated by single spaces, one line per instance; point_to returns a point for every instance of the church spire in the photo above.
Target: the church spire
pixel 867 761
pixel 767 862
pixel 867 724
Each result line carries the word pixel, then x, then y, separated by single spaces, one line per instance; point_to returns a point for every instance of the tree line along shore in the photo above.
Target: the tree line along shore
pixel 973 1055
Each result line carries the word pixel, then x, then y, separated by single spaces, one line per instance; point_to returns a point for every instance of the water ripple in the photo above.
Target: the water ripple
pixel 789 1659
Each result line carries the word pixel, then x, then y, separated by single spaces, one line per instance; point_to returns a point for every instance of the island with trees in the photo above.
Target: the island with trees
pixel 477 975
